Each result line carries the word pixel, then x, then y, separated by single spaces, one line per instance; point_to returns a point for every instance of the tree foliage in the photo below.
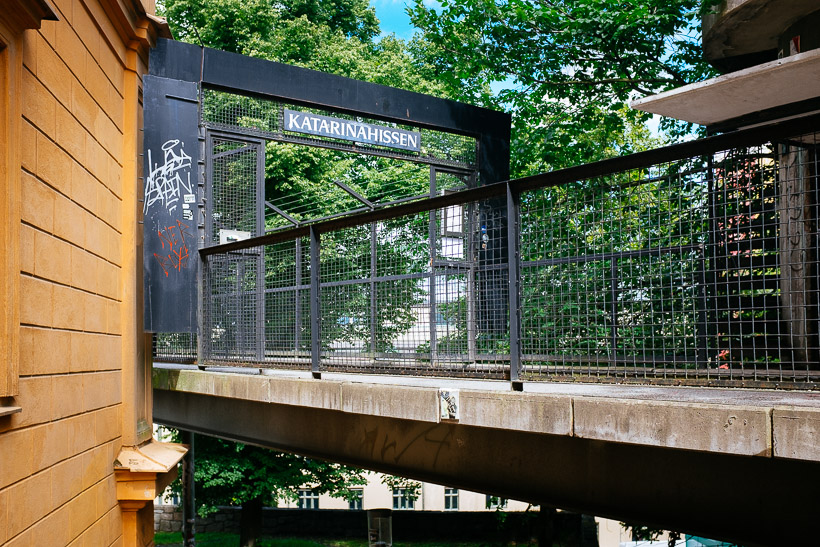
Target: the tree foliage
pixel 229 473
pixel 564 68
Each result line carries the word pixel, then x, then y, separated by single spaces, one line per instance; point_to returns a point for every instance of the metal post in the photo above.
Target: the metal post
pixel 514 284
pixel 242 346
pixel 201 338
pixel 188 493
pixel 613 305
pixel 471 292
pixel 432 242
pixel 298 304
pixel 373 248
pixel 711 328
pixel 205 181
pixel 260 306
pixel 315 319
pixel 260 260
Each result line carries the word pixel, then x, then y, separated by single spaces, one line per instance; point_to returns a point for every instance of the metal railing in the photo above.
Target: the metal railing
pixel 695 263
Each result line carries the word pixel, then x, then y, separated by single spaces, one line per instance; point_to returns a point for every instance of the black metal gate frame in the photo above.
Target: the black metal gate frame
pixel 242 75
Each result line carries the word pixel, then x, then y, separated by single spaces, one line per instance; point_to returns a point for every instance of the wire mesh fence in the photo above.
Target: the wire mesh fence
pixel 175 347
pixel 702 269
pixel 386 303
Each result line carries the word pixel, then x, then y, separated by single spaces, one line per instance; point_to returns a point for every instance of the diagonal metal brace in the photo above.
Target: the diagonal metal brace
pixel 283 214
pixel 354 193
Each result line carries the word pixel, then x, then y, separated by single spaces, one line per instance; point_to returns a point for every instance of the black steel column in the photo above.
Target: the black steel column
pixel 260 259
pixel 202 350
pixel 514 286
pixel 613 305
pixel 432 292
pixel 188 494
pixel 373 303
pixel 298 300
pixel 201 230
pixel 315 319
pixel 471 285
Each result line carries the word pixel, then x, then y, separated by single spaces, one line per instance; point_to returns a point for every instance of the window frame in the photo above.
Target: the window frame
pixel 307 498
pixel 402 501
pixel 356 504
pixel 451 495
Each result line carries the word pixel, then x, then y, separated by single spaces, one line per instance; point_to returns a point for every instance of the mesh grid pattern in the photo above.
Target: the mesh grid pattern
pixel 233 315
pixel 377 313
pixel 264 117
pixel 701 271
pixel 174 347
pixel 234 174
pixel 355 183
pixel 684 270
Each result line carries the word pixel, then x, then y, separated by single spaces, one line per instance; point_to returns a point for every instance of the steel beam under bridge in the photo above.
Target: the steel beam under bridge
pixel 735 465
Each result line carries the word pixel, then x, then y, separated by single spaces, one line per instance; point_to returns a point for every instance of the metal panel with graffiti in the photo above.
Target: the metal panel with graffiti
pixel 171 205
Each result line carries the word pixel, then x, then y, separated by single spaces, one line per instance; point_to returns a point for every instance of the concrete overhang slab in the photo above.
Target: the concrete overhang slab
pixel 762 87
pixel 740 430
pixel 532 412
pixel 796 433
pixel 391 401
pixel 740 422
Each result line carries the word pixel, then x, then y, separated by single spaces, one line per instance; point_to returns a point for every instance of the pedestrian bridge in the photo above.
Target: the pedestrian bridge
pixel 636 338
pixel 733 464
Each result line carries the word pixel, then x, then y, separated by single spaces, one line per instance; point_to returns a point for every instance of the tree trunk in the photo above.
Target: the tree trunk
pixel 250 524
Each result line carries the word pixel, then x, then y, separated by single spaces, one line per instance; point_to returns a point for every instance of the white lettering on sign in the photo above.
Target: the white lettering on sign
pixel 349 130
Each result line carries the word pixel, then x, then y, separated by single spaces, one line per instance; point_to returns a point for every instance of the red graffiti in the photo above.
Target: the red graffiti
pixel 178 253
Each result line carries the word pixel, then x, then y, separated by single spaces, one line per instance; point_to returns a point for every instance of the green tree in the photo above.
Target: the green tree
pixel 565 69
pixel 235 474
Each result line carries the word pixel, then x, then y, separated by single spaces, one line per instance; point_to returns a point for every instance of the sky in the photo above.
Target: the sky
pixel 392 17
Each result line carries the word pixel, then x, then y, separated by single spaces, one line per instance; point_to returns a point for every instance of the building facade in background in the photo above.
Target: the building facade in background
pixel 431 497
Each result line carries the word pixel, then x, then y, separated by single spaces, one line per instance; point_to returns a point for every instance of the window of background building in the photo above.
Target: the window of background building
pixel 357 503
pixel 494 502
pixel 451 499
pixel 308 499
pixel 402 499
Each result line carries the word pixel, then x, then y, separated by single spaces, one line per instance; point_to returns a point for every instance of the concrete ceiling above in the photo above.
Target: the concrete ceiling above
pixel 762 87
pixel 742 27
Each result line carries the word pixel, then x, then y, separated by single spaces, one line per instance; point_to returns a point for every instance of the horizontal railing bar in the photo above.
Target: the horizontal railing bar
pixel 674 152
pixel 442 270
pixel 649 158
pixel 404 209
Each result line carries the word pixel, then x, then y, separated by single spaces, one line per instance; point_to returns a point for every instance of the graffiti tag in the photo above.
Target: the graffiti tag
pixel 171 181
pixel 175 252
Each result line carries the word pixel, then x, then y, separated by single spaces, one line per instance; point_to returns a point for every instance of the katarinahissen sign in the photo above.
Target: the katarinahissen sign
pixel 337 128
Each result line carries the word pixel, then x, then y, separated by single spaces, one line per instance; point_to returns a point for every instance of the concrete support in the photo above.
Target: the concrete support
pixel 759 500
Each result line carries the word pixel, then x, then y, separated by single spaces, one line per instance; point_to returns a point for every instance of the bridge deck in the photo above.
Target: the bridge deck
pixel 667 456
